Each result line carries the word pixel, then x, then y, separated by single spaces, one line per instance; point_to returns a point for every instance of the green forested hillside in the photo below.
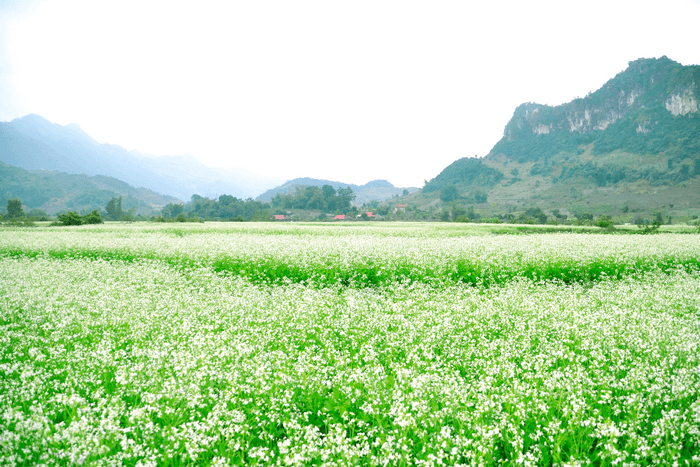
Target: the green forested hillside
pixel 55 191
pixel 630 148
pixel 465 172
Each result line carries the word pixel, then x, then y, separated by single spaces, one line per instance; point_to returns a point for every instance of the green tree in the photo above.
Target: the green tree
pixel 537 214
pixel 317 201
pixel 129 215
pixel 114 209
pixel 14 208
pixel 344 198
pixel 328 192
pixel 524 219
pixel 261 216
pixel 472 214
pixel 171 211
pixel 458 210
pixel 584 218
pixel 659 219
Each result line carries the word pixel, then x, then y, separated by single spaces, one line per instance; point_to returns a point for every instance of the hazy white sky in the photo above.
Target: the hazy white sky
pixel 349 91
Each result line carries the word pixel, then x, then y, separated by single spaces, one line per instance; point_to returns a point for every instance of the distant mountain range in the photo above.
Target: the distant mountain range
pixel 56 191
pixel 34 143
pixel 633 144
pixel 376 190
pixel 60 167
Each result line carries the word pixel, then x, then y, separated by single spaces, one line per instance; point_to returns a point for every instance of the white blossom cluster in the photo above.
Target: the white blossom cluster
pixel 141 363
pixel 366 255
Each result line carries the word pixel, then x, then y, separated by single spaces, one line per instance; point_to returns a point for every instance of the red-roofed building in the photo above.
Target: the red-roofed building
pixel 369 214
pixel 340 217
pixel 279 217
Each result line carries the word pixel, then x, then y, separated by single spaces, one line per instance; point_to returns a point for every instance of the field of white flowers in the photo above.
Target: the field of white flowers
pixel 365 255
pixel 347 345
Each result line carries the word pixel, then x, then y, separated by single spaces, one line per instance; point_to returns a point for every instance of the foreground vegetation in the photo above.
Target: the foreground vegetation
pixel 151 345
pixel 362 255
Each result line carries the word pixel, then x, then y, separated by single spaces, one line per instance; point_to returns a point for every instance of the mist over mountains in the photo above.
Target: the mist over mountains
pixel 33 143
pixel 632 145
pixel 60 167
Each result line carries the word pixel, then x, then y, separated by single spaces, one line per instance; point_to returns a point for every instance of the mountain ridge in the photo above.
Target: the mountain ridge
pixel 33 143
pixel 634 142
pixel 54 191
pixel 379 190
pixel 649 93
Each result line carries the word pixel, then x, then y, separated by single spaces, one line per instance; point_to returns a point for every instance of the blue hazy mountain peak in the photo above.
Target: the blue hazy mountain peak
pixel 34 143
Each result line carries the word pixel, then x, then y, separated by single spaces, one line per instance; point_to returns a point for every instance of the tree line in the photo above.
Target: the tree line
pixel 325 198
pixel 16 216
pixel 223 208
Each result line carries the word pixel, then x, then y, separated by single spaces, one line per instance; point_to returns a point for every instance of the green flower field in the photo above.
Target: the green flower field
pixel 362 344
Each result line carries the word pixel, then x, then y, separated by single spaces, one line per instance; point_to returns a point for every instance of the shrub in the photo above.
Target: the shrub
pixel 70 218
pixel 649 228
pixel 37 215
pixel 604 221
pixel 20 222
pixel 93 218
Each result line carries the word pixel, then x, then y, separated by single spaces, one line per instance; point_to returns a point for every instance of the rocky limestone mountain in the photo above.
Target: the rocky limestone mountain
pixel 641 108
pixel 632 144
